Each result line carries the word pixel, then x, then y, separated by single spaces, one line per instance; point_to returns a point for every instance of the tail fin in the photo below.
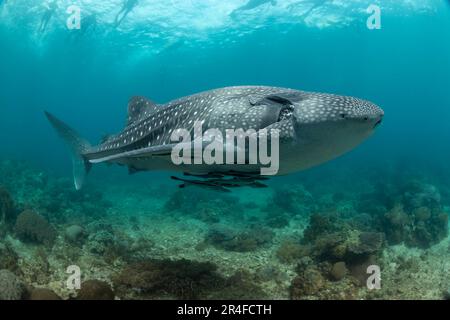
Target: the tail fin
pixel 77 145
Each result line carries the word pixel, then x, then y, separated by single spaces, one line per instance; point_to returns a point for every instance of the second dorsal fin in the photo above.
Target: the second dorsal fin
pixel 138 107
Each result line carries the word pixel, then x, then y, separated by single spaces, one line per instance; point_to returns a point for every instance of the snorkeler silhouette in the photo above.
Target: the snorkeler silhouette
pixel 127 7
pixel 48 14
pixel 316 4
pixel 250 5
pixel 89 23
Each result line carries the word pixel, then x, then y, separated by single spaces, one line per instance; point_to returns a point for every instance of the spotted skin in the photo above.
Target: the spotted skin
pixel 227 108
pixel 313 127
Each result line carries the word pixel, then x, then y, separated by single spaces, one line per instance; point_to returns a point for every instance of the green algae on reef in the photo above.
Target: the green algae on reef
pixel 146 247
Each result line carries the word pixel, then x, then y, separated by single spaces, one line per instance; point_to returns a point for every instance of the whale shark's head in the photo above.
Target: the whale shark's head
pixel 352 117
pixel 327 126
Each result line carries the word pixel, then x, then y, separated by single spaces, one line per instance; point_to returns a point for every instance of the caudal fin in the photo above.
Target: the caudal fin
pixel 77 145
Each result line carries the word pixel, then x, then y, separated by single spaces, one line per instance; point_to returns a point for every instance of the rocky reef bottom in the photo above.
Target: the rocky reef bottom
pixel 368 240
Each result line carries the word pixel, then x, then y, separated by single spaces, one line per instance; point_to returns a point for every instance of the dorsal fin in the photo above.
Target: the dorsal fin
pixel 284 99
pixel 138 106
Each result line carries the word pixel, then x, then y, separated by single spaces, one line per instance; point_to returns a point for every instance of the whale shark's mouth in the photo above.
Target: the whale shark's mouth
pixel 378 123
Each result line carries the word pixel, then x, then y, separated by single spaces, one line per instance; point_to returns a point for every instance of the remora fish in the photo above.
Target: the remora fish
pixel 313 128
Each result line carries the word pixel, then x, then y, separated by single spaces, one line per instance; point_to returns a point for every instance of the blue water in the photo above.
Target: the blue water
pixel 164 52
pixel 168 49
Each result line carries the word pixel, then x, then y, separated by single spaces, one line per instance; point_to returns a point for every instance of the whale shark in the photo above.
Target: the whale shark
pixel 312 128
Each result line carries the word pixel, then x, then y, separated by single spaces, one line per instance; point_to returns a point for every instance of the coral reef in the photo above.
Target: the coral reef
pixel 322 281
pixel 31 227
pixel 75 234
pixel 289 201
pixel 240 286
pixel 43 294
pixel 182 279
pixel 293 199
pixel 240 241
pixel 418 218
pixel 11 288
pixel 113 244
pixel 95 290
pixel 309 282
pixel 279 243
pixel 331 250
pixel 291 251
pixel 7 208
pixel 8 258
pixel 61 203
pixel 338 271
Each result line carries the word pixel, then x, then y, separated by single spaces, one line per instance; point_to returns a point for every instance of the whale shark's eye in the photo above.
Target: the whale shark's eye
pixel 343 115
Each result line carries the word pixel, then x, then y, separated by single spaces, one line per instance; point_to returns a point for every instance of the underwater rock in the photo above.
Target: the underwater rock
pixel 359 270
pixel 338 271
pixel 368 243
pixel 243 241
pixel 366 221
pixel 307 283
pixel 8 258
pixel 95 290
pixel 31 227
pixel 7 211
pixel 326 236
pixel 352 247
pixel 311 281
pixel 43 294
pixel 11 288
pixel 39 270
pixel 270 272
pixel 321 224
pixel 242 285
pixel 341 249
pixel 183 279
pixel 418 195
pixel 396 221
pixel 290 251
pixel 99 242
pixel 114 244
pixel 74 234
pixel 330 247
pixel 304 263
pixel 220 233
pixel 419 220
